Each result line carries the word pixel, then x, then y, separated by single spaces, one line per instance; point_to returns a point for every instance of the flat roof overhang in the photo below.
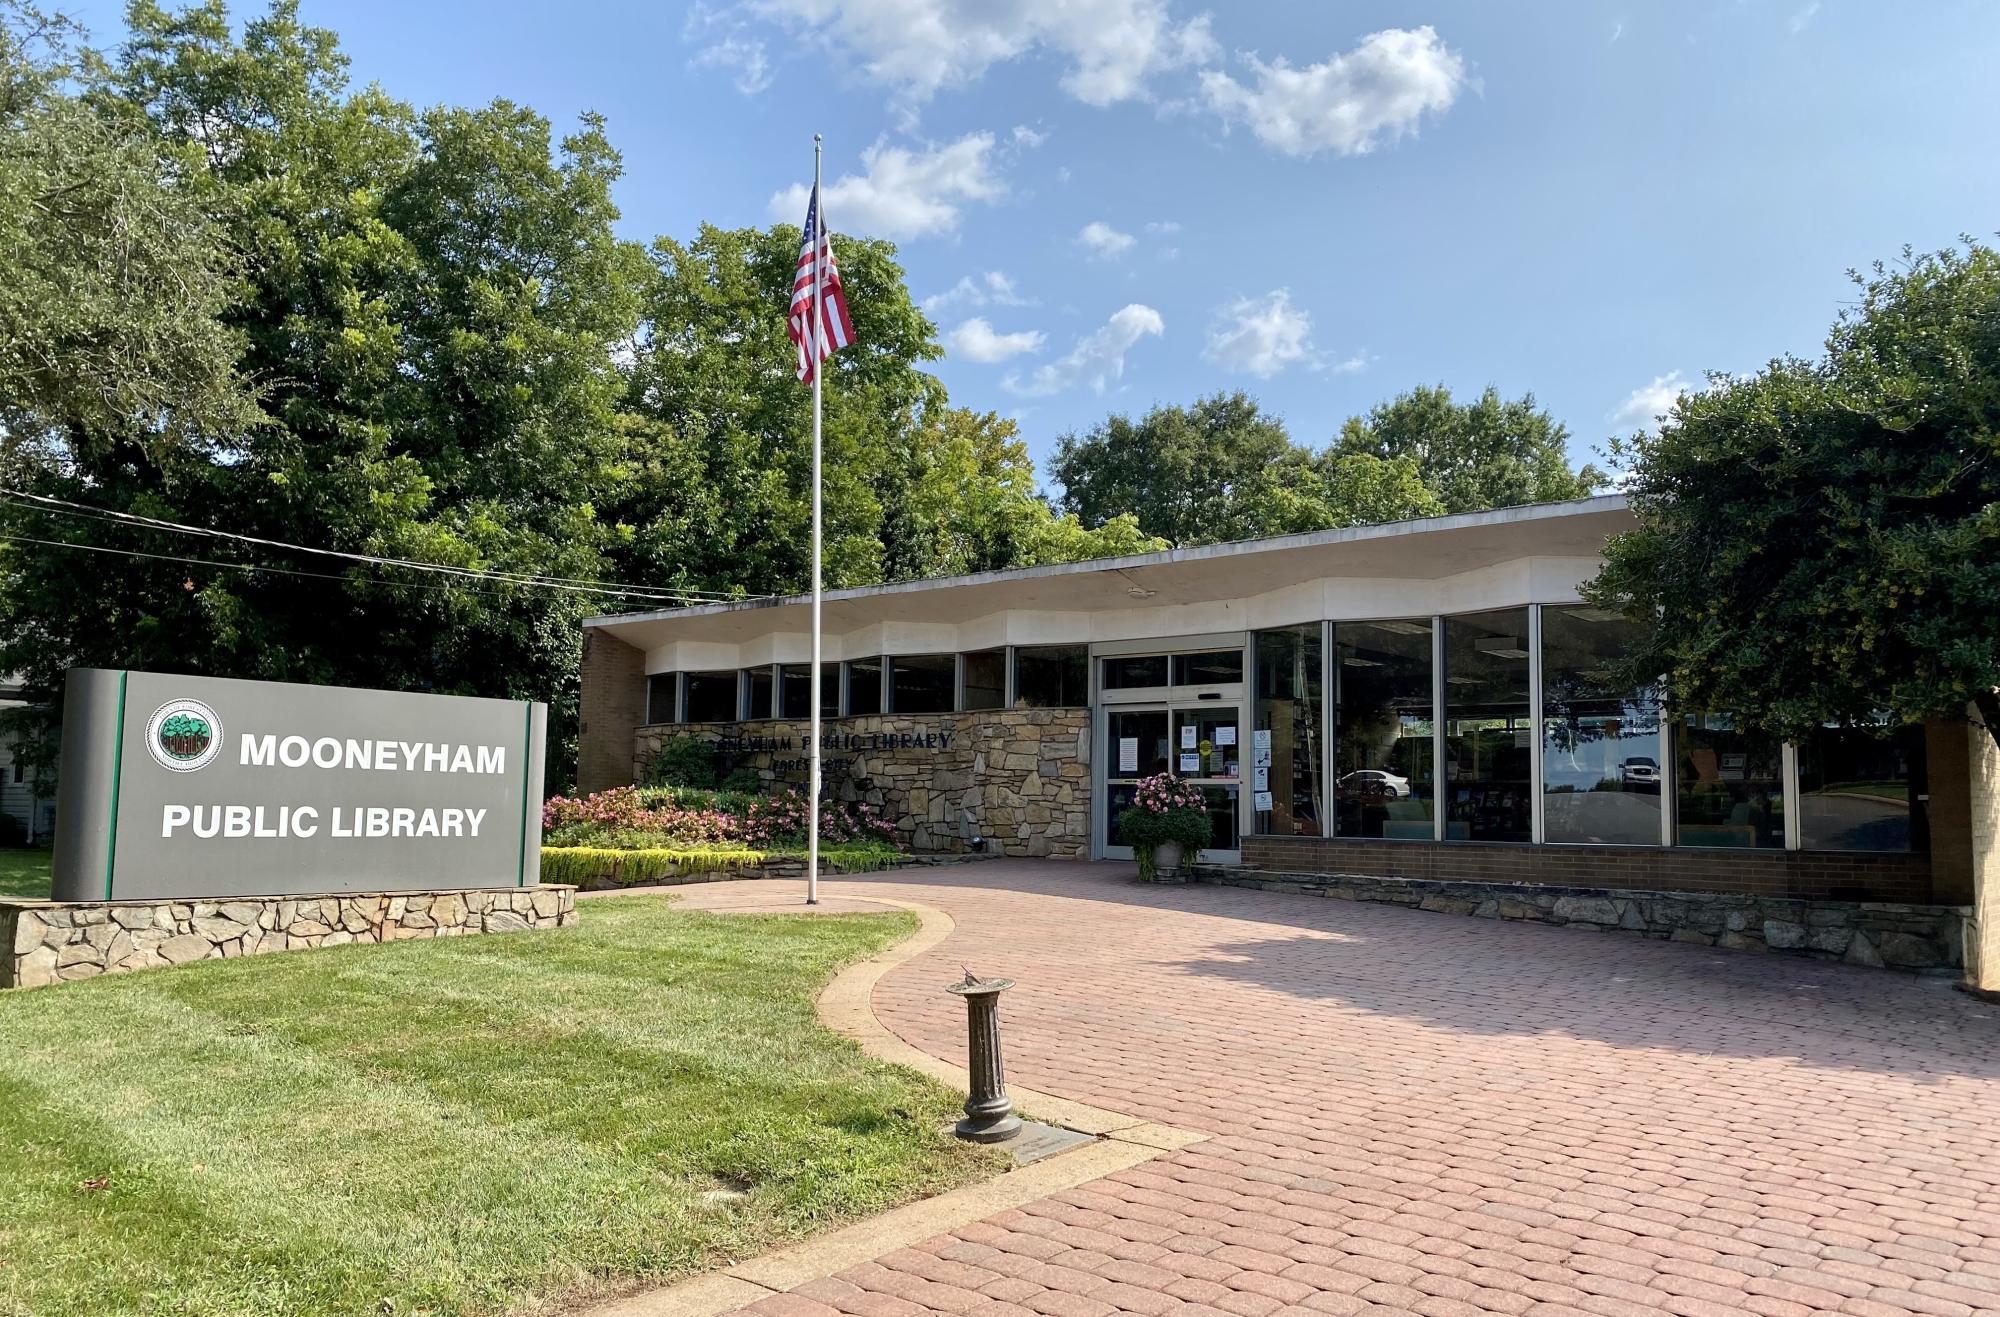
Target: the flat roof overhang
pixel 1427 549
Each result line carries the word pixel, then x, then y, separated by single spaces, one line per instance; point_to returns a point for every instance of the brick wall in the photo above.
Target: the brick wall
pixel 612 708
pixel 1802 874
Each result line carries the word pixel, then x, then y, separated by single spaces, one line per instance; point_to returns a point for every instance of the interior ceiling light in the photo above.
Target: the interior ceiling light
pixel 1594 614
pixel 1461 681
pixel 1507 647
pixel 1360 663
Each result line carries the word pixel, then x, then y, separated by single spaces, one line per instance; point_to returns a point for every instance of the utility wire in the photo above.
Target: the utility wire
pixel 63 507
pixel 10 538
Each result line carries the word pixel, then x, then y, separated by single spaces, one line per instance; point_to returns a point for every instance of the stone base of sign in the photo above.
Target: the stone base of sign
pixel 56 941
pixel 1927 939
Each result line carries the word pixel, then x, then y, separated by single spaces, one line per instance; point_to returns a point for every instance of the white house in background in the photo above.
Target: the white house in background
pixel 18 801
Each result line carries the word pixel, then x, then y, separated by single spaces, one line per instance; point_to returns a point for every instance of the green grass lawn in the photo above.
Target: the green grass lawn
pixel 459 1126
pixel 24 873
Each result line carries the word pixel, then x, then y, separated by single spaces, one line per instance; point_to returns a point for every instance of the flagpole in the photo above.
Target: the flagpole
pixel 818 364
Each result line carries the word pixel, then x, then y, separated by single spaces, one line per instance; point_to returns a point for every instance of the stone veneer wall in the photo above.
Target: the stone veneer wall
pixel 50 941
pixel 1022 774
pixel 1907 937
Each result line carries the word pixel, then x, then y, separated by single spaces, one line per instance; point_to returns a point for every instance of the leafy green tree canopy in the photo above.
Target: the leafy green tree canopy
pixel 1821 542
pixel 1223 469
pixel 1490 453
pixel 115 275
pixel 719 442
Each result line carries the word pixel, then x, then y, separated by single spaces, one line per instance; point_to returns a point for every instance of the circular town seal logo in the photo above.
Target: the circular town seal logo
pixel 184 735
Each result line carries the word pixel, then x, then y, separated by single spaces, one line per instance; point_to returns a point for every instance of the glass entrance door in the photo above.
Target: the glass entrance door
pixel 1208 745
pixel 1203 743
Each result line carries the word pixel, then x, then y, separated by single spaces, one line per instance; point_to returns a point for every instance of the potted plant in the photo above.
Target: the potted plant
pixel 1166 825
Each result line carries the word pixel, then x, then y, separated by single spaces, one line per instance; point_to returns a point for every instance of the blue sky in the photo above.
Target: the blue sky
pixel 1323 203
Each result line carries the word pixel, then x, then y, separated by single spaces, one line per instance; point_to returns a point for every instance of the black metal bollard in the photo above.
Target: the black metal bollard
pixel 989 1112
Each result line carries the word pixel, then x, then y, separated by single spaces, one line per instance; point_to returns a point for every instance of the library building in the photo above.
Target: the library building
pixel 1425 701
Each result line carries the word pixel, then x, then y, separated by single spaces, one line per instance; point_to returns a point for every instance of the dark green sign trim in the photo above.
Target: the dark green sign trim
pixel 117 771
pixel 527 758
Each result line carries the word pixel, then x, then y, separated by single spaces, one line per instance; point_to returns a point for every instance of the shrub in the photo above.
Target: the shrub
pixel 1165 809
pixel 623 816
pixel 11 831
pixel 780 820
pixel 743 780
pixel 682 761
pixel 584 865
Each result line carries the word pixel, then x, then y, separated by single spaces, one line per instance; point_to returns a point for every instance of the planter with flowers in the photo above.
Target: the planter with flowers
pixel 1166 825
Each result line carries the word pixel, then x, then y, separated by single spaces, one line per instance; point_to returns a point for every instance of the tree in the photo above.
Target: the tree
pixel 1225 470
pixel 721 447
pixel 974 507
pixel 114 276
pixel 1820 543
pixel 430 305
pixel 1472 456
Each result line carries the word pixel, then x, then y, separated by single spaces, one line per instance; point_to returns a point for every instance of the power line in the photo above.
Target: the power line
pixel 64 507
pixel 10 538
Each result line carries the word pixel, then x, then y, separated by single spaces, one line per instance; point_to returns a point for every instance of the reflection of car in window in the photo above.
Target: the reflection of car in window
pixel 1374 784
pixel 1640 768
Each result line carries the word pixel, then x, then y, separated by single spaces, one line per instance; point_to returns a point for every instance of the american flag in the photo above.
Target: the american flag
pixel 835 331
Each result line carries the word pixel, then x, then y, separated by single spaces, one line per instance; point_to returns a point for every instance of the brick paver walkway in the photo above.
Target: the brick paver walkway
pixel 1419 1113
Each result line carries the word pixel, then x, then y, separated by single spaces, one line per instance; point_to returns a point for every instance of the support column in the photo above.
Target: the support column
pixel 1982 931
pixel 611 710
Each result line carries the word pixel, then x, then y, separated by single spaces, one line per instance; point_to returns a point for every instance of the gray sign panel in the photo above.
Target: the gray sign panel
pixel 185 787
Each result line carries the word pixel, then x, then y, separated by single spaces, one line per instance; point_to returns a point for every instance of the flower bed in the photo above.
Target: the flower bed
pixel 687 818
pixel 631 835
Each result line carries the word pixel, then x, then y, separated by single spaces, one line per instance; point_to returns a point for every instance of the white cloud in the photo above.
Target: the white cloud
pixel 1163 226
pixel 1098 358
pixel 1103 241
pixel 1025 136
pixel 1261 335
pixel 904 193
pixel 1802 18
pixel 975 340
pixel 1644 406
pixel 993 288
pixel 744 57
pixel 1368 97
pixel 917 47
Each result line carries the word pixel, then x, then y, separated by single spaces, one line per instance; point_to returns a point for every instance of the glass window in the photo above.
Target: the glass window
pixel 1139 748
pixel 1601 756
pixel 1051 677
pixel 1488 740
pixel 757 693
pixel 1135 671
pixel 1385 779
pixel 795 690
pixel 1286 749
pixel 660 688
pixel 711 697
pixel 1220 668
pixel 1729 785
pixel 1863 789
pixel 864 686
pixel 922 683
pixel 986 679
